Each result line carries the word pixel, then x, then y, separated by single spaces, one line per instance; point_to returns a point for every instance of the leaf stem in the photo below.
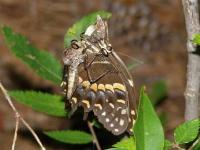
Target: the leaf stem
pixel 19 118
pixel 178 147
pixel 95 140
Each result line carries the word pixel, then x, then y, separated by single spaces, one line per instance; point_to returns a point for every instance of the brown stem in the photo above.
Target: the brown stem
pixel 191 13
pixel 19 118
pixel 95 140
pixel 16 131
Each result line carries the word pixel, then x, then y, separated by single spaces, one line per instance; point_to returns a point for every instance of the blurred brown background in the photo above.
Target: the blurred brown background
pixel 151 31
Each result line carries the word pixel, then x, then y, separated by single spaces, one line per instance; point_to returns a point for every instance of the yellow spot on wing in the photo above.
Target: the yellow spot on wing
pixel 86 84
pixel 74 99
pixel 94 87
pixel 132 112
pixel 111 105
pixel 119 86
pixel 86 102
pixel 109 87
pixel 98 105
pixel 121 101
pixel 101 87
pixel 63 83
pixel 130 82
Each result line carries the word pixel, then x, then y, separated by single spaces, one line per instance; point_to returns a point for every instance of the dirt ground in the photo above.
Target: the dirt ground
pixel 152 32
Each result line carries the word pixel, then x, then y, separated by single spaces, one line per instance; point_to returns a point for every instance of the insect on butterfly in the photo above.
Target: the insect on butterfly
pixel 96 79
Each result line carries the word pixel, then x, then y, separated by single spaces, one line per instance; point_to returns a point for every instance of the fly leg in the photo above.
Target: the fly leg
pixel 64 85
pixel 64 77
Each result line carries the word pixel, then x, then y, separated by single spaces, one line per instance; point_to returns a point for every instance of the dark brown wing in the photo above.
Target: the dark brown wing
pixel 109 96
pixel 129 84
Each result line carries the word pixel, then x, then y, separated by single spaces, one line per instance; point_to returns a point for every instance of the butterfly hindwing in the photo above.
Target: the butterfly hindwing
pixel 107 97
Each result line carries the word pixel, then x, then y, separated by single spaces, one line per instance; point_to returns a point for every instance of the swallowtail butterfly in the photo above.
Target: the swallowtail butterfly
pixel 96 79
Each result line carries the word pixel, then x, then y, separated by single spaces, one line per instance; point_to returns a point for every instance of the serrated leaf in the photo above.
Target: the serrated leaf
pixel 148 129
pixel 168 144
pixel 187 131
pixel 158 92
pixel 42 102
pixel 79 27
pixel 42 62
pixel 71 137
pixel 126 144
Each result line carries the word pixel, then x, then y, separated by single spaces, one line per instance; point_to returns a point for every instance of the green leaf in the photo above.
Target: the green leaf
pixel 163 118
pixel 148 129
pixel 43 102
pixel 43 63
pixel 196 39
pixel 79 27
pixel 168 144
pixel 71 137
pixel 126 144
pixel 187 131
pixel 115 149
pixel 158 92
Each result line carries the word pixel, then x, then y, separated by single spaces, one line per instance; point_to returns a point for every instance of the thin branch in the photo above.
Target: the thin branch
pixel 95 140
pixel 177 147
pixel 194 144
pixel 19 118
pixel 193 68
pixel 33 133
pixel 16 131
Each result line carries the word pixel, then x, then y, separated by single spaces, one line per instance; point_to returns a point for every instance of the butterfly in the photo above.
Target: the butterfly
pixel 96 79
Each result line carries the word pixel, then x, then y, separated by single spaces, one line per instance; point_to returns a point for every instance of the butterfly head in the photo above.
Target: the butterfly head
pixel 97 35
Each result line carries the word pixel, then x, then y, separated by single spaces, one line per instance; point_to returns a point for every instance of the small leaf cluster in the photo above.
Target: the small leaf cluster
pixel 196 39
pixel 148 130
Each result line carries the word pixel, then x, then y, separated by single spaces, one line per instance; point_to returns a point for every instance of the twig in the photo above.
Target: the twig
pixel 193 68
pixel 95 140
pixel 178 147
pixel 33 133
pixel 194 144
pixel 16 131
pixel 19 118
